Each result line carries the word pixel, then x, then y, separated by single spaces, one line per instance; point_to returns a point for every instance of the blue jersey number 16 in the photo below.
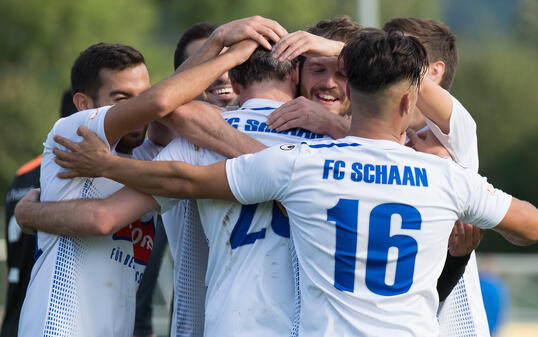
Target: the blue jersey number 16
pixel 345 215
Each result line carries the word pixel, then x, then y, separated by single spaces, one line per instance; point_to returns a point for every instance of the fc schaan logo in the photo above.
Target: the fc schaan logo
pixel 141 234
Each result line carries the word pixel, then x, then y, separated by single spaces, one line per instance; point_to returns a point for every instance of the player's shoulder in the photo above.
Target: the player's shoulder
pixel 68 125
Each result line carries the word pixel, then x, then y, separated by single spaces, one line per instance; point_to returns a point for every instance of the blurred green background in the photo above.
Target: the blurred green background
pixel 496 77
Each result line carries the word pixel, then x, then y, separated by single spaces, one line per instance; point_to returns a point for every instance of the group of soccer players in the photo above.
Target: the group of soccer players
pixel 339 229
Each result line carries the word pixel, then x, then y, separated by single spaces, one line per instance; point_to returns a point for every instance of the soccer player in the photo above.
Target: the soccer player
pixel 92 279
pixel 457 317
pixel 370 218
pixel 21 246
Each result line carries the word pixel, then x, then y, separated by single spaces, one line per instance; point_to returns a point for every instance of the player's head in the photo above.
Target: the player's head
pixel 67 107
pixel 220 92
pixel 439 42
pixel 261 67
pixel 384 72
pixel 322 79
pixel 106 74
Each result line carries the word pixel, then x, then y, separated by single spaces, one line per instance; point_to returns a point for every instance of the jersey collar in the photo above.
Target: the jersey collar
pixel 261 103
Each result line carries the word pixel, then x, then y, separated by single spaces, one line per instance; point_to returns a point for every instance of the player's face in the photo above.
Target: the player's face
pixel 119 85
pixel 220 92
pixel 324 81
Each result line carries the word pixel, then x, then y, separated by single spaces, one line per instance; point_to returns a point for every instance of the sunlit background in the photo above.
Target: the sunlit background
pixel 496 79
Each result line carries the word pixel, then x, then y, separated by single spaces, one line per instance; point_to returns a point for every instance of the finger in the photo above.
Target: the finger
pixel 284 118
pixel 268 32
pixel 413 137
pixel 286 42
pixel 291 124
pixel 68 175
pixel 296 49
pixel 275 27
pixel 262 41
pixel 283 109
pixel 64 164
pixel 62 155
pixel 84 132
pixel 68 144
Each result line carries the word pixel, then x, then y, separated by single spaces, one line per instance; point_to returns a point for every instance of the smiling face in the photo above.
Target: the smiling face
pixel 117 86
pixel 323 81
pixel 220 92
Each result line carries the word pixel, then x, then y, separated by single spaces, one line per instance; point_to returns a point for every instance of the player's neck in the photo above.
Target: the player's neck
pixel 280 91
pixel 374 129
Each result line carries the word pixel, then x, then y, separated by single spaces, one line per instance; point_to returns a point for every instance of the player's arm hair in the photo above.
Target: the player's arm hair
pixel 165 96
pixel 173 179
pixel 520 224
pixel 202 124
pixel 452 272
pixel 85 216
pixel 435 103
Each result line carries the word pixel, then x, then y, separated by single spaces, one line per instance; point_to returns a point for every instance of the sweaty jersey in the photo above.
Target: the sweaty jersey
pixel 250 275
pixel 86 285
pixel 370 221
pixel 462 314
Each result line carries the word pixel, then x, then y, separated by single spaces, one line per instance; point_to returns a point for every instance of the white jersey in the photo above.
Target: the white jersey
pixel 462 314
pixel 370 221
pixel 86 285
pixel 250 275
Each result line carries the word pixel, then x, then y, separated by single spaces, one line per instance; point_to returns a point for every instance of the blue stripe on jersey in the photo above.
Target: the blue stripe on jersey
pixel 297 312
pixel 319 146
pixel 63 308
pixel 259 109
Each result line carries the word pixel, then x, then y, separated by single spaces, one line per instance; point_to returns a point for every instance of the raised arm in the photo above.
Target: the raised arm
pixel 435 103
pixel 83 216
pixel 165 96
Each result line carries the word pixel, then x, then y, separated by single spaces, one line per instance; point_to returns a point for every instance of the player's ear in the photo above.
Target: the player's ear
pixel 405 104
pixel 295 74
pixel 82 101
pixel 436 71
pixel 348 91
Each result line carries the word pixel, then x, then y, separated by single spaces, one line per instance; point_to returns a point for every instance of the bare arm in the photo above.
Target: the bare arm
pixel 84 216
pixel 435 103
pixel 202 124
pixel 520 224
pixel 173 179
pixel 257 28
pixel 172 92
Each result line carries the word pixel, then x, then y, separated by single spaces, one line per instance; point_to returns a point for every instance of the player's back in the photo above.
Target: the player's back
pixel 250 275
pixel 83 286
pixel 370 221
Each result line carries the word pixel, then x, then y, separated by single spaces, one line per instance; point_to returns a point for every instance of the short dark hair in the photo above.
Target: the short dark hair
pixel 436 37
pixel 260 66
pixel 85 70
pixel 340 28
pixel 377 59
pixel 201 30
pixel 67 107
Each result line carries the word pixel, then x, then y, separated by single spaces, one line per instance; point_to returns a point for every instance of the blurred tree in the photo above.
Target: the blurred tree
pixel 292 14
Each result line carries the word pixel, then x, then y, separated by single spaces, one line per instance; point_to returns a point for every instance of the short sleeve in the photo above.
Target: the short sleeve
pixel 482 205
pixel 461 142
pixel 262 176
pixel 96 123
